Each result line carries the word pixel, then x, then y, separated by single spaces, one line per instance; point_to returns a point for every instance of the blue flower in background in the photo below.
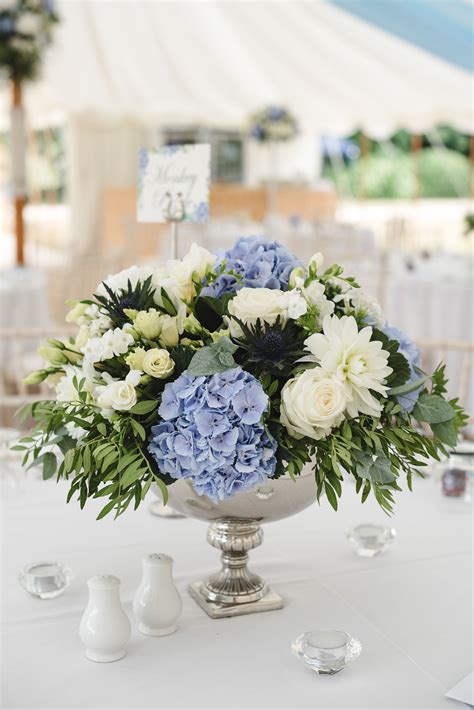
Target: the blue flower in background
pixel 201 213
pixel 212 433
pixel 262 264
pixel 412 353
pixel 142 159
pixel 274 113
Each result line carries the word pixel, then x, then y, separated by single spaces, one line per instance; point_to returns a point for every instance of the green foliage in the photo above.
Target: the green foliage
pixel 213 358
pixel 209 311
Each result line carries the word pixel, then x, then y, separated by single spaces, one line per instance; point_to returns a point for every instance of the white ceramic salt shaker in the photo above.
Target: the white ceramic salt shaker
pixel 157 604
pixel 105 627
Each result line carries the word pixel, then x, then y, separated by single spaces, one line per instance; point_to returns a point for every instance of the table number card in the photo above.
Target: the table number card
pixel 176 175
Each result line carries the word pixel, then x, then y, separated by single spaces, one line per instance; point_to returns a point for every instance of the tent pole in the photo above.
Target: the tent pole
pixel 471 162
pixel 18 159
pixel 364 145
pixel 416 144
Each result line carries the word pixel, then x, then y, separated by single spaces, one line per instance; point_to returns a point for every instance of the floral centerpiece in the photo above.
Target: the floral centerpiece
pixel 25 31
pixel 231 370
pixel 273 123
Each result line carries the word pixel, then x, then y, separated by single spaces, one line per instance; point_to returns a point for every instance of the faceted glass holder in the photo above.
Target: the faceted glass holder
pixel 369 539
pixel 45 580
pixel 326 651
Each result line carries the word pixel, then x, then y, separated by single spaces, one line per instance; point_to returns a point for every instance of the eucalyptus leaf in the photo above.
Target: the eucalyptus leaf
pixel 408 387
pixel 213 358
pixel 446 432
pixel 433 409
pixel 377 469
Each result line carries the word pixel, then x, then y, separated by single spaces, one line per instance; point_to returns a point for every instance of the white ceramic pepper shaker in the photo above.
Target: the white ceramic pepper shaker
pixel 105 627
pixel 157 604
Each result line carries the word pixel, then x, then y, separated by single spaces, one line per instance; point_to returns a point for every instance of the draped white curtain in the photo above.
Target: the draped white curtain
pixel 102 152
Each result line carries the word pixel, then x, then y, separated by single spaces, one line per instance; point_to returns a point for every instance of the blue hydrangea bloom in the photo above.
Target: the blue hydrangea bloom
pixel 212 433
pixel 262 264
pixel 412 353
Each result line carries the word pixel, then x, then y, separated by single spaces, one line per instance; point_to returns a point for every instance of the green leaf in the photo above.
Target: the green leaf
pixel 408 387
pixel 145 407
pixel 446 432
pixel 168 303
pixel 433 409
pixel 132 474
pixel 376 469
pixel 102 429
pixel 106 509
pixel 213 358
pixel 209 311
pixel 330 494
pixel 49 465
pixel 138 429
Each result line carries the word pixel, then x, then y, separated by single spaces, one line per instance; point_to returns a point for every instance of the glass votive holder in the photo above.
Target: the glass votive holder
pixel 326 651
pixel 458 474
pixel 45 580
pixel 369 539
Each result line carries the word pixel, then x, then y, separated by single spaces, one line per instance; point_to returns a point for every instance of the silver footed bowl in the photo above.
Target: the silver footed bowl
pixel 235 530
pixel 273 500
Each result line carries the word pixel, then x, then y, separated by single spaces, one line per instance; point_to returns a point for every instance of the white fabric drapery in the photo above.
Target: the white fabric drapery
pixel 215 62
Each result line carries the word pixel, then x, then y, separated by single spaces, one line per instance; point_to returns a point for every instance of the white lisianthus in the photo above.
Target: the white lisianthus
pixel 77 312
pixel 111 343
pixel 354 359
pixel 148 323
pixel 170 331
pixel 157 363
pixel 312 404
pixel 135 359
pixel 317 261
pixel 119 395
pixel 28 23
pixel 361 301
pixel 117 282
pixel 265 304
pixel 199 260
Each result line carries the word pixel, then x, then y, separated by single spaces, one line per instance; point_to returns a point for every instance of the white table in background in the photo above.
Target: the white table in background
pixel 409 607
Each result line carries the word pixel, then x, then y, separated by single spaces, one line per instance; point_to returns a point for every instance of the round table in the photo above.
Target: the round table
pixel 409 607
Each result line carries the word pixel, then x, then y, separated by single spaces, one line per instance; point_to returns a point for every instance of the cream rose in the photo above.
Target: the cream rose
pixel 312 404
pixel 157 363
pixel 148 323
pixel 169 335
pixel 265 304
pixel 119 395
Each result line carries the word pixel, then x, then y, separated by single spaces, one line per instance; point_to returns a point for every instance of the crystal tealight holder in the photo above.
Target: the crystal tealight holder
pixel 368 539
pixel 326 651
pixel 45 580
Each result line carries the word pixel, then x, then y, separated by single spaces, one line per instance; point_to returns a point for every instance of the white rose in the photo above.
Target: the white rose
pixel 120 395
pixel 312 404
pixel 265 304
pixel 157 363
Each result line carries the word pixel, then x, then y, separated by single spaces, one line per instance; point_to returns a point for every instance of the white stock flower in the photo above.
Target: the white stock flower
pixel 119 394
pixel 359 300
pixel 312 404
pixel 317 261
pixel 315 296
pixel 65 389
pixel 111 343
pixel 157 363
pixel 117 282
pixel 356 361
pixel 265 304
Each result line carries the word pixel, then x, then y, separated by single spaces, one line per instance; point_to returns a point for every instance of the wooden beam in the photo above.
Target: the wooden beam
pixel 19 199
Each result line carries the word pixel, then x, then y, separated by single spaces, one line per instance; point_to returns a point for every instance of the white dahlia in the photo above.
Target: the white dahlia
pixel 354 359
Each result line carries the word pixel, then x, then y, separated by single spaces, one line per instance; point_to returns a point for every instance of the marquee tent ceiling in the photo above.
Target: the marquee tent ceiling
pixel 215 62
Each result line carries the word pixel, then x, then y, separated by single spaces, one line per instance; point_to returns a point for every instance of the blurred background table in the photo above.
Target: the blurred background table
pixel 409 607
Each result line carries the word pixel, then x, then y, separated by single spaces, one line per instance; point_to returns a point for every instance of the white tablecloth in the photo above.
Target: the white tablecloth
pixel 409 607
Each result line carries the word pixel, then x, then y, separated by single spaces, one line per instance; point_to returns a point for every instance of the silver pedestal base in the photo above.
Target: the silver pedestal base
pixel 270 602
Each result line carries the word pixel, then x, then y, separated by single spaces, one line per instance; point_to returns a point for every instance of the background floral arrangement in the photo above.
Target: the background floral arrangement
pixel 25 31
pixel 274 123
pixel 230 370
